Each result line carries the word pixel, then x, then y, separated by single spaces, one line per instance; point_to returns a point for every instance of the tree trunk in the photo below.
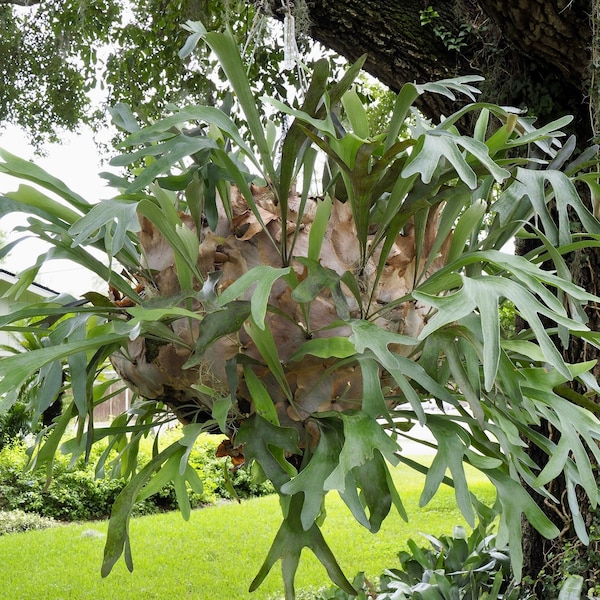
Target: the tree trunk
pixel 546 561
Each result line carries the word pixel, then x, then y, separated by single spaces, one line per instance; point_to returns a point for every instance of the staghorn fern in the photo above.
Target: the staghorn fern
pixel 313 331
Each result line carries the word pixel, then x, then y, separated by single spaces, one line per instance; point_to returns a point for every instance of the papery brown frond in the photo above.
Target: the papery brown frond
pixel 156 369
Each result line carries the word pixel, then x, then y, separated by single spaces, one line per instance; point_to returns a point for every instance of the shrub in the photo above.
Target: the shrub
pixel 14 521
pixel 454 567
pixel 14 424
pixel 72 495
pixel 457 566
pixel 76 494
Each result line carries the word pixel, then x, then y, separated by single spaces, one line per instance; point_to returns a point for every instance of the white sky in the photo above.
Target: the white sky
pixel 77 163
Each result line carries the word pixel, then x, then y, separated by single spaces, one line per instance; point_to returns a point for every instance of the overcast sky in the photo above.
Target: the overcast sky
pixel 77 162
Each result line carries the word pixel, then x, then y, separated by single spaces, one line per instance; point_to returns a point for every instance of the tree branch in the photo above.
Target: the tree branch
pixel 533 53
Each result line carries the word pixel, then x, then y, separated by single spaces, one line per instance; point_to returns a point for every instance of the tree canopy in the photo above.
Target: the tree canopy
pixel 65 62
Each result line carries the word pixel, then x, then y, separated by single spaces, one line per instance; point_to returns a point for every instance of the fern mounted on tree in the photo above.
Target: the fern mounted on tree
pixel 313 329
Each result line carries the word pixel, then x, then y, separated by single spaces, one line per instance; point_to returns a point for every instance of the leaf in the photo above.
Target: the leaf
pixel 262 279
pixel 355 111
pixel 287 546
pixel 539 136
pixel 479 292
pixel 149 314
pixel 575 424
pixel 515 501
pixel 318 228
pixel 263 404
pixel 178 182
pixel 447 87
pixel 182 496
pixel 241 179
pixel 215 325
pixel 311 479
pixel 25 169
pixel 265 344
pixel 172 150
pixel 572 588
pixel 180 248
pixel 226 49
pixel 123 117
pixel 539 187
pixel 190 432
pixel 468 222
pixel 398 211
pixel 338 347
pixel 189 244
pixel 317 278
pixel 571 480
pixel 52 376
pixel 411 91
pixel 117 539
pixel 190 43
pixel 168 472
pixel 321 125
pixel 266 443
pixel 47 452
pixel 62 250
pixel 43 205
pixel 481 125
pixel 408 94
pixel 369 335
pixel 164 129
pixel 373 402
pixel 362 435
pixel 220 410
pixel 119 214
pixel 15 370
pixel 466 385
pixel 294 149
pixel 453 442
pixel 374 481
pixel 78 363
pixel 440 144
pixel 307 165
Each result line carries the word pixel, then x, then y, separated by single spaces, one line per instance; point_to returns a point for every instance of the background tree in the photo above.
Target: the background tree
pixel 536 54
pixel 64 62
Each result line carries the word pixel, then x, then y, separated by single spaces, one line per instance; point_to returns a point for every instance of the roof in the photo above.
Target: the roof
pixel 37 288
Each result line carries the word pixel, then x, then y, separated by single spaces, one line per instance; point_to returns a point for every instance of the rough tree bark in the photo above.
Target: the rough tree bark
pixel 533 53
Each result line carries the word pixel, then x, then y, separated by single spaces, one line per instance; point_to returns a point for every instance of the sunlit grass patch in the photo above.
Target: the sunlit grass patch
pixel 214 555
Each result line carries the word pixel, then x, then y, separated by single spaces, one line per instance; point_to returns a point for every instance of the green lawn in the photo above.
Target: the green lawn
pixel 213 556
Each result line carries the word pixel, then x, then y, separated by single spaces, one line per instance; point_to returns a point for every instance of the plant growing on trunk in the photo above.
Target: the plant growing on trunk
pixel 312 330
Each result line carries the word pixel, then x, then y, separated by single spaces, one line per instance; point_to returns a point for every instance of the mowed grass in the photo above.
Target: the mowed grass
pixel 216 554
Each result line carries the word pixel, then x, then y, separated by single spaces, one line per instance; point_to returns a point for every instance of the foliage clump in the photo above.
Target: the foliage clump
pixel 77 494
pixel 573 558
pixel 466 566
pixel 15 521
